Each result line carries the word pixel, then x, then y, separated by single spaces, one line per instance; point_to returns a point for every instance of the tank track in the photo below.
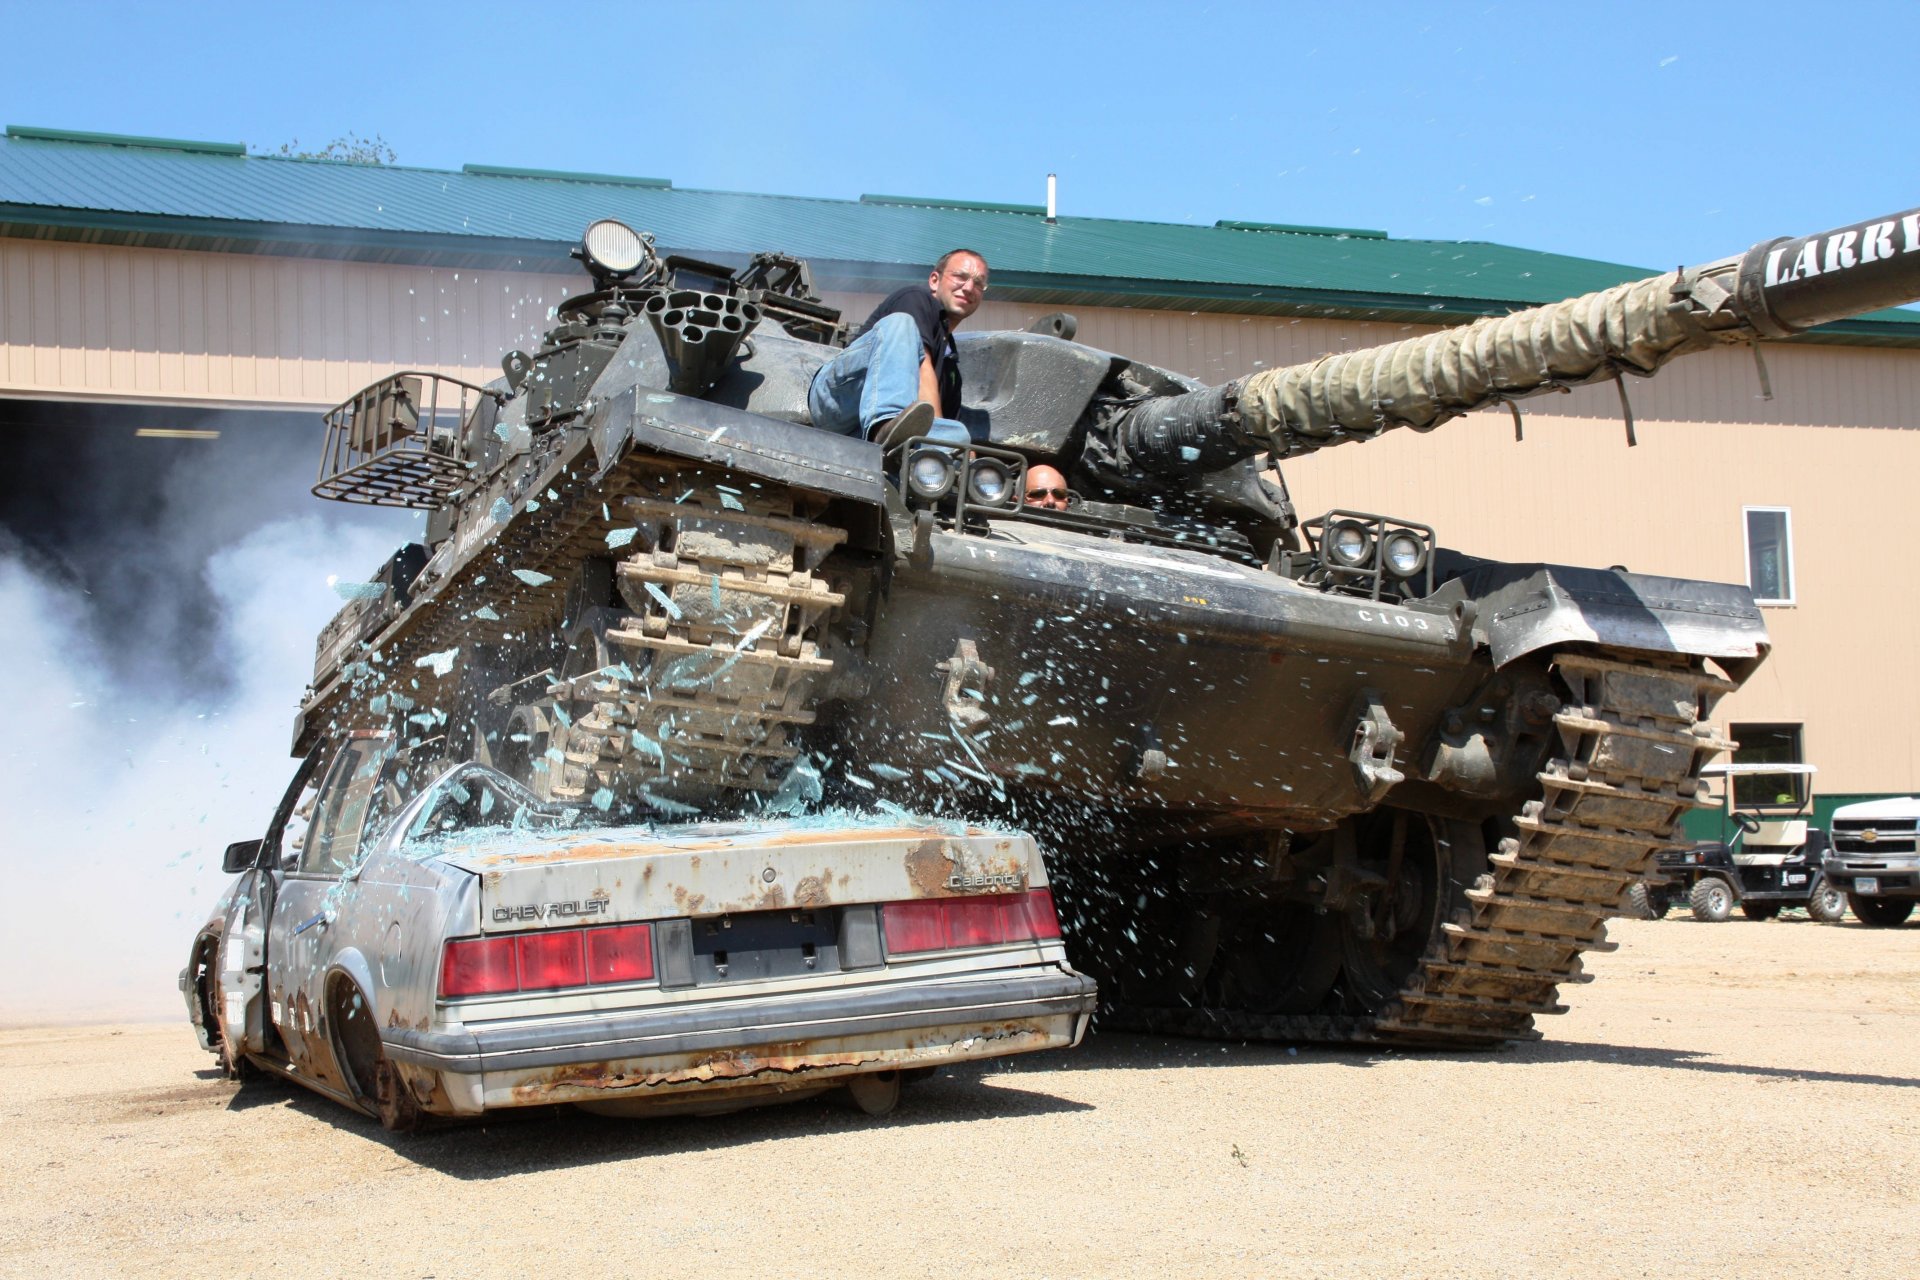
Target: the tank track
pixel 719 659
pixel 1634 739
pixel 705 679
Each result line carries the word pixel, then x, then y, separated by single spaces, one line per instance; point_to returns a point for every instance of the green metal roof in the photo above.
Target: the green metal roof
pixel 182 194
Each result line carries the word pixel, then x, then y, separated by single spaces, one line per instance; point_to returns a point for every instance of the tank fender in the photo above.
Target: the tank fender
pixel 785 453
pixel 1523 608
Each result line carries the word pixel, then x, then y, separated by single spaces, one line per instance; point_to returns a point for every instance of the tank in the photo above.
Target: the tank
pixel 1321 779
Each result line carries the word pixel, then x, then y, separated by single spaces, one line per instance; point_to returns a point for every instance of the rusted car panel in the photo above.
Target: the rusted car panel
pixel 776 1067
pixel 403 960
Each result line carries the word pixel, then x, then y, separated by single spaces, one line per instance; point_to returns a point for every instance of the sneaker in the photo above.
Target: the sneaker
pixel 913 421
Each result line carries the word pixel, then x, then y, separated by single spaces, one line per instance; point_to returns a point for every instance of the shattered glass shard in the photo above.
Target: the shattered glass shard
pixel 440 663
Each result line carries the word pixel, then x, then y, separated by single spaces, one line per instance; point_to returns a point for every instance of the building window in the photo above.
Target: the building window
pixel 1768 744
pixel 1770 554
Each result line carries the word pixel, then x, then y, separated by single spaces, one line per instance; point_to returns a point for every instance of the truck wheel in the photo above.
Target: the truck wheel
pixel 1826 904
pixel 1711 899
pixel 1759 910
pixel 1881 913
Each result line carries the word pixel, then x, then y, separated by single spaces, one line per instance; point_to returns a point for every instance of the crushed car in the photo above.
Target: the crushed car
pixel 461 946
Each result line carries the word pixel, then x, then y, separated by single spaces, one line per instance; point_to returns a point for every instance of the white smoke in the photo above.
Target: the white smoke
pixel 118 793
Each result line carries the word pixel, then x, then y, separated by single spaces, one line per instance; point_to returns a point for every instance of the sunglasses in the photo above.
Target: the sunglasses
pixel 1047 493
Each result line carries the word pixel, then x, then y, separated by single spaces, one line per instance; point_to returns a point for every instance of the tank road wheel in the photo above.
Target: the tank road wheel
pixel 363 1063
pixel 1826 904
pixel 522 754
pixel 1881 913
pixel 1711 899
pixel 1387 929
pixel 1759 910
pixel 1282 961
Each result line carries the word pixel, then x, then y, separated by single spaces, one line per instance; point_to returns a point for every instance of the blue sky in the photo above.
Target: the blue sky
pixel 1640 133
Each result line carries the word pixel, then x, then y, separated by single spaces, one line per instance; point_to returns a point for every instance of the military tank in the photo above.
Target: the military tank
pixel 1304 779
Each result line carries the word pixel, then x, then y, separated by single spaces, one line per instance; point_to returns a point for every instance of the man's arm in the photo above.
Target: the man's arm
pixel 929 389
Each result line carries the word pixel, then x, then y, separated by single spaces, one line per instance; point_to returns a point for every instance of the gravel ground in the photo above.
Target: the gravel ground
pixel 1723 1099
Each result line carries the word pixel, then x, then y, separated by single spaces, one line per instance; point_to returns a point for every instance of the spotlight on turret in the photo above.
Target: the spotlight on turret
pixel 613 251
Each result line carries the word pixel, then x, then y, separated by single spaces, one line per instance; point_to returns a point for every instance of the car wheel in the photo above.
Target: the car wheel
pixel 1639 902
pixel 875 1093
pixel 1759 910
pixel 1711 899
pixel 364 1065
pixel 1881 913
pixel 1826 904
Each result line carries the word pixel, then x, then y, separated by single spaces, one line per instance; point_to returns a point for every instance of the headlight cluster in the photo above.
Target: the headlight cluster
pixel 935 474
pixel 1361 552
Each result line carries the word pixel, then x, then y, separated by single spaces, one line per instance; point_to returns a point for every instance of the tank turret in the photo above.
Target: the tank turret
pixel 1328 779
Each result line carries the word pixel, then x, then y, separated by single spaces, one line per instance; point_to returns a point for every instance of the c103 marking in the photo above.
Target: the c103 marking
pixel 1401 621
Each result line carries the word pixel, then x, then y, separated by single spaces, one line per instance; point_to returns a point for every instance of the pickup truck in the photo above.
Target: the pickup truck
pixel 1875 860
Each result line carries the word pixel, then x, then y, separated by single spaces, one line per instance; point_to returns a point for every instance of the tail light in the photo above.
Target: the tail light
pixel 948 924
pixel 546 961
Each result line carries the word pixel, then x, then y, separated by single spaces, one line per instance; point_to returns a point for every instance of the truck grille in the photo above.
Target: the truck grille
pixel 1865 837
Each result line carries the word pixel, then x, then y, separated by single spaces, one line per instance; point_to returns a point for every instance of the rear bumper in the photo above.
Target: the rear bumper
pixel 709 1045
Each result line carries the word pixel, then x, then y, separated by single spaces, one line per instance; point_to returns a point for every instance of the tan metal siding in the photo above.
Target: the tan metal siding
pixel 96 322
pixel 80 321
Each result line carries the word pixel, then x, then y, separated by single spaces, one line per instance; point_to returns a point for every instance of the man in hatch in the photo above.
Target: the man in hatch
pixel 901 376
pixel 1047 488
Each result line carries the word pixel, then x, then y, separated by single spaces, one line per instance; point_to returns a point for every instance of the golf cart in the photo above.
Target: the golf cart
pixel 1768 856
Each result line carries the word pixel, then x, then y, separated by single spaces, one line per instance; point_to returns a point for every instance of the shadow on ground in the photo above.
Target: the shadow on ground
pixel 537 1139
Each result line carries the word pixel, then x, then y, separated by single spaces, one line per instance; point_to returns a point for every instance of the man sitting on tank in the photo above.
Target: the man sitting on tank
pixel 901 377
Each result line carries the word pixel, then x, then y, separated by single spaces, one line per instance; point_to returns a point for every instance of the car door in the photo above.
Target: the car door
pixel 240 973
pixel 314 888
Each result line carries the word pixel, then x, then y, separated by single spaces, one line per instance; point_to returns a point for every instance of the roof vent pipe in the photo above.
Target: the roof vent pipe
pixel 1053 191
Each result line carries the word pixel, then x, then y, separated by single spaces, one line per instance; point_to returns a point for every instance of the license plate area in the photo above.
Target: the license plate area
pixel 765 944
pixel 1866 884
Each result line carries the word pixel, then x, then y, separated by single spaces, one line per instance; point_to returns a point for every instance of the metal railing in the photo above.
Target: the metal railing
pixel 401 442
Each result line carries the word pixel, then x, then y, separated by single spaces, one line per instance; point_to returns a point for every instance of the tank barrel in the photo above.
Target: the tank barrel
pixel 1777 289
pixel 1798 283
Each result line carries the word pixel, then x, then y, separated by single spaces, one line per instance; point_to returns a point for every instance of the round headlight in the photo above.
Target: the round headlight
pixel 988 483
pixel 613 248
pixel 930 473
pixel 1350 544
pixel 1405 553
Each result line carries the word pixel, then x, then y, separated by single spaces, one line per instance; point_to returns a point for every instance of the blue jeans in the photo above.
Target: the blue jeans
pixel 873 381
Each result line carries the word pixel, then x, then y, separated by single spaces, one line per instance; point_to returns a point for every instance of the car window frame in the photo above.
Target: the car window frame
pixel 344 775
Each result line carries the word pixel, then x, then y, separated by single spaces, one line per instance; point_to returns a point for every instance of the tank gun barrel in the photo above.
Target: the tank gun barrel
pixel 1776 289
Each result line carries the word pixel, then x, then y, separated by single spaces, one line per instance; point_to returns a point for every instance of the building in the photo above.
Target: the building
pixel 147 279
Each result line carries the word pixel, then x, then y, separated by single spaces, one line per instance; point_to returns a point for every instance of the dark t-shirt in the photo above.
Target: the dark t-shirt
pixel 936 339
